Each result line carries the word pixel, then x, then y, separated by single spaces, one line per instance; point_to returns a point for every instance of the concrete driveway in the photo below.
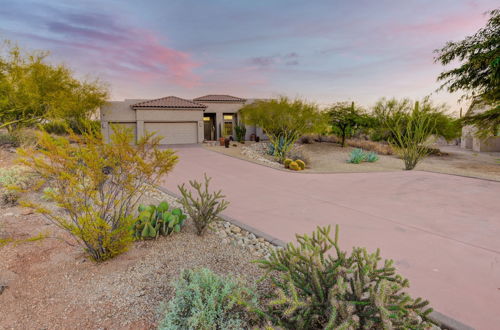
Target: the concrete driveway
pixel 443 231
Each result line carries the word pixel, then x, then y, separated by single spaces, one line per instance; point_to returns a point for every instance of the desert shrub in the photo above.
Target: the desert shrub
pixel 319 286
pixel 296 152
pixel 55 127
pixel 204 300
pixel 359 155
pixel 9 197
pixel 26 137
pixel 154 221
pixel 307 139
pixel 356 156
pixel 97 184
pixel 204 208
pixel 12 181
pixel 378 147
pixel 287 162
pixel 301 164
pixel 7 139
pixel 371 157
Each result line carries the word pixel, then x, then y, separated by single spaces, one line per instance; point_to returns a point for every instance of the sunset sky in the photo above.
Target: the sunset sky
pixel 324 51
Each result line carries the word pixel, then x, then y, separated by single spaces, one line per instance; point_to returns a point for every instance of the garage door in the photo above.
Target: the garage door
pixel 174 133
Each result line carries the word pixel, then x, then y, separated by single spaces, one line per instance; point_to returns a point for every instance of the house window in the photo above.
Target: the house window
pixel 228 117
pixel 206 118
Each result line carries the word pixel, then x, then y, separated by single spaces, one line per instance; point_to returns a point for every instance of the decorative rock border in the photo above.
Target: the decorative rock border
pixel 261 244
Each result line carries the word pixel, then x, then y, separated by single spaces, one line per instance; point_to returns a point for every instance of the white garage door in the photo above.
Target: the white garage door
pixel 174 133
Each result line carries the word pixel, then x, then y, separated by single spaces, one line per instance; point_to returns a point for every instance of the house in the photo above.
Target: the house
pixel 469 139
pixel 178 120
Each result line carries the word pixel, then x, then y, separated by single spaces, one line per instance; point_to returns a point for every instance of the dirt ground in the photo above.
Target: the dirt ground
pixel 331 158
pixel 49 284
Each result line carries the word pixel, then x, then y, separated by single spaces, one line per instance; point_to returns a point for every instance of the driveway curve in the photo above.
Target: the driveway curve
pixel 442 231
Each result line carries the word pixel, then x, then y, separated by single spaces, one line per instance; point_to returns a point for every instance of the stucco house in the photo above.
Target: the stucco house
pixel 178 120
pixel 469 140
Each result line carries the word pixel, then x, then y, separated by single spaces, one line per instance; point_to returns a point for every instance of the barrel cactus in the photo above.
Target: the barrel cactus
pixel 301 164
pixel 287 162
pixel 294 166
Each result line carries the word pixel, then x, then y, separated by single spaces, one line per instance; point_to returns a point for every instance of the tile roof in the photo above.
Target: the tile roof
pixel 219 98
pixel 171 102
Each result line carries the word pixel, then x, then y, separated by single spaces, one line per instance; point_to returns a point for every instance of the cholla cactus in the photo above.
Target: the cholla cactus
pixel 321 287
pixel 301 164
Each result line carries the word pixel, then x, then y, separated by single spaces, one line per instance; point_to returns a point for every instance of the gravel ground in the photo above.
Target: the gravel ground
pixel 331 158
pixel 51 284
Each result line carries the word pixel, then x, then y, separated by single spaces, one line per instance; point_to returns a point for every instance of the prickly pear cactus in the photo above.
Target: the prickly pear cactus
pixel 154 221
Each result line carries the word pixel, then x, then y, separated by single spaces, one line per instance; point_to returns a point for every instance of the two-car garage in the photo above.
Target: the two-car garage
pixel 174 132
pixel 176 120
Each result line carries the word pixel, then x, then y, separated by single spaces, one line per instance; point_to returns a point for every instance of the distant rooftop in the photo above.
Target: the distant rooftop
pixel 172 102
pixel 218 98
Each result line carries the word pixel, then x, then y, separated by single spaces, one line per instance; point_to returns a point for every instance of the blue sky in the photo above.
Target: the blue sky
pixel 324 51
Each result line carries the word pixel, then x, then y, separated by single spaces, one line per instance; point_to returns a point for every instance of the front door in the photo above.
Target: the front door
pixel 209 128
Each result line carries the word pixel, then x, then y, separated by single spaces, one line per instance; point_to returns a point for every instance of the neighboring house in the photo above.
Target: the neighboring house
pixel 177 120
pixel 469 140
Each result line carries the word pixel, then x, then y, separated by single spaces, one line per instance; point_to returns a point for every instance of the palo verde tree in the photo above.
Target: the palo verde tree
pixel 283 121
pixel 33 90
pixel 478 73
pixel 345 118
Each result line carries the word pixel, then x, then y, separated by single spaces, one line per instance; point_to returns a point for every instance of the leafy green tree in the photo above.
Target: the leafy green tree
pixel 283 121
pixel 346 118
pixel 33 90
pixel 478 74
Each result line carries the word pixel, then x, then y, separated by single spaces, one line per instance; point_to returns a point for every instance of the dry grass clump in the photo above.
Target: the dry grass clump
pixel 379 148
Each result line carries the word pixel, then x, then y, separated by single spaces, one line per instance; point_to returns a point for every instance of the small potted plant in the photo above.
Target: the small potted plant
pixel 221 141
pixel 227 142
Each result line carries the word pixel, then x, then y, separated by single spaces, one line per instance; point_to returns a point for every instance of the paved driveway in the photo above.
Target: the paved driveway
pixel 442 231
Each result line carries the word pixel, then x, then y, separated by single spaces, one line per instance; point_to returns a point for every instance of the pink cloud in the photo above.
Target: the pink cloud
pixel 112 47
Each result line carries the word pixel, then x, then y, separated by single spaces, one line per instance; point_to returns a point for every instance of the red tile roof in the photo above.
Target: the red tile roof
pixel 218 98
pixel 171 102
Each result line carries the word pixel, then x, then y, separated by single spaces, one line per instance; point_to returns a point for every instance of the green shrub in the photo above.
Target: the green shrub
pixel 97 184
pixel 9 197
pixel 296 153
pixel 319 286
pixel 204 208
pixel 294 166
pixel 301 164
pixel 154 221
pixel 56 127
pixel 7 139
pixel 356 156
pixel 371 157
pixel 287 162
pixel 204 300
